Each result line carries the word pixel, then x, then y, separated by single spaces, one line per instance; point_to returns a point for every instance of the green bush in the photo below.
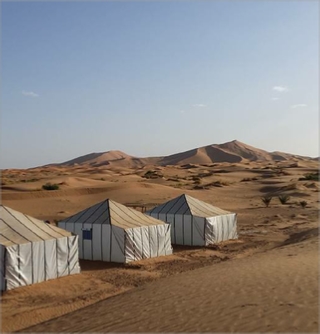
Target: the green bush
pixel 303 204
pixel 284 198
pixel 266 200
pixel 50 186
pixel 310 177
pixel 152 174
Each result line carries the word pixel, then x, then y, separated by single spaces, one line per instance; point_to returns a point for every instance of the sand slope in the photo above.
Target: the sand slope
pixel 271 292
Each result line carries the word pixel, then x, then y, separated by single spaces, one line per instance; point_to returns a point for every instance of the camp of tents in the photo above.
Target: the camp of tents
pixel 33 251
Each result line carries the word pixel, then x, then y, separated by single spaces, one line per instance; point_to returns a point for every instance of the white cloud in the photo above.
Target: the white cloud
pixel 182 111
pixel 280 89
pixel 301 105
pixel 199 105
pixel 31 94
pixel 275 98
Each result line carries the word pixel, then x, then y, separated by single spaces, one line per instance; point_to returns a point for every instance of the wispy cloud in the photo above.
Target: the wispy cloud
pixel 182 111
pixel 275 98
pixel 280 89
pixel 199 105
pixel 31 94
pixel 301 105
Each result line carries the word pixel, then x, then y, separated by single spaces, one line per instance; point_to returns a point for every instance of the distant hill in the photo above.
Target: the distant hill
pixel 233 152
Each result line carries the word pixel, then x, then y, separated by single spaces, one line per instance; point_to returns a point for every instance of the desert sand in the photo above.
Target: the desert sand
pixel 266 281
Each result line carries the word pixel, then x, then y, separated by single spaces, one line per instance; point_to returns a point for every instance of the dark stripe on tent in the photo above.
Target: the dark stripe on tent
pixel 110 231
pixel 19 266
pixel 101 241
pixel 191 230
pixel 205 207
pixel 183 229
pixel 71 270
pixel 52 228
pixel 128 223
pixel 7 239
pixel 5 252
pixel 141 216
pixel 141 243
pixel 173 202
pixel 196 205
pixel 57 258
pixel 157 241
pixel 110 241
pixel 180 208
pixel 32 264
pixel 45 260
pixel 82 228
pixel 98 208
pixel 165 238
pixel 80 214
pixel 15 231
pixel 125 245
pixel 102 213
pixel 40 227
pixel 222 237
pixel 91 242
pixel 139 224
pixel 134 246
pixel 68 259
pixel 149 227
pixel 174 229
pixel 22 224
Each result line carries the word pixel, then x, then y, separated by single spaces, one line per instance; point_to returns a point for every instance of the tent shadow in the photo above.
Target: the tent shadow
pixel 88 265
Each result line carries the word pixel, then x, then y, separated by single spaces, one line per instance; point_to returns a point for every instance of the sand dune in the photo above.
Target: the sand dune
pixel 97 158
pixel 232 152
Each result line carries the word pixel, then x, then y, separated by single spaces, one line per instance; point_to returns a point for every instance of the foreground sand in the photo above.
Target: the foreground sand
pixel 272 292
pixel 215 288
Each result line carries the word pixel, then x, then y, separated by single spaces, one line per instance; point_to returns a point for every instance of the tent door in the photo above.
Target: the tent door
pixel 87 243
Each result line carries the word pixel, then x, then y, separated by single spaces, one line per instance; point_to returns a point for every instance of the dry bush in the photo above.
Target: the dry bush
pixel 266 200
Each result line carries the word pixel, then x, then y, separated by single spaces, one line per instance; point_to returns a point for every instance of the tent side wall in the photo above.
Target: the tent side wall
pixel 2 268
pixel 221 228
pixel 98 242
pixel 185 229
pixel 147 241
pixel 40 261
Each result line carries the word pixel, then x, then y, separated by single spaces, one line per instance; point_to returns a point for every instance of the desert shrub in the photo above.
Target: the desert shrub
pixel 152 174
pixel 284 198
pixel 246 179
pixel 199 187
pixel 30 180
pixel 303 204
pixel 50 186
pixel 310 177
pixel 266 200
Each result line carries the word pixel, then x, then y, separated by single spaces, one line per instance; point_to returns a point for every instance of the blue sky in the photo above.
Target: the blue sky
pixel 157 78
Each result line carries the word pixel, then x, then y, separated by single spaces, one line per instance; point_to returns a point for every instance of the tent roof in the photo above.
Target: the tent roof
pixel 18 228
pixel 188 205
pixel 113 213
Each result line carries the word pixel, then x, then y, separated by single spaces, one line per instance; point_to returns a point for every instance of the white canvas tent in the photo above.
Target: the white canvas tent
pixel 109 231
pixel 196 223
pixel 32 251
